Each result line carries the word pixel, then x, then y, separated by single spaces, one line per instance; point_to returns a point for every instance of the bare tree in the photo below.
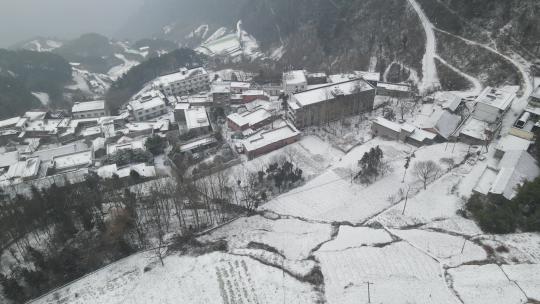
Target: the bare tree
pixel 426 171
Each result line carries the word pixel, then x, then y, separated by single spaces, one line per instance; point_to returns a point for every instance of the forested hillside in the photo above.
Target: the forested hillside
pixel 93 51
pixel 23 72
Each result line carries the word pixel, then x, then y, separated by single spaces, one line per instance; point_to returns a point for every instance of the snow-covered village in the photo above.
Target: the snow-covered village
pixel 221 170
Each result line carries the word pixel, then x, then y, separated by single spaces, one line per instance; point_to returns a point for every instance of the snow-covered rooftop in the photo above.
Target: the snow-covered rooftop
pixel 196 118
pixel 514 168
pixel 450 101
pixel 84 158
pixel 475 128
pixel 441 121
pixel 388 124
pixel 87 106
pixel 240 85
pixel 8 158
pixel 143 170
pixel 511 142
pixel 10 122
pixel 496 98
pixel 250 118
pixel 179 76
pixel 49 154
pixel 266 138
pixel 147 102
pixel 128 144
pixel 370 76
pixel 295 77
pixel 394 86
pixel 24 169
pixel 330 91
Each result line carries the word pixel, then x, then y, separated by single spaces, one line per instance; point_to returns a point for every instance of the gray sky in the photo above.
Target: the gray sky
pixel 24 19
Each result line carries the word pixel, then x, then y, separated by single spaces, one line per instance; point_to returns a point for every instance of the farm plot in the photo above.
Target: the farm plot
pixel 485 284
pixel 293 238
pixel 351 237
pixel 212 278
pixel 527 276
pixel 108 285
pixel 456 225
pixel 399 274
pixel 448 249
pixel 437 202
pixel 514 248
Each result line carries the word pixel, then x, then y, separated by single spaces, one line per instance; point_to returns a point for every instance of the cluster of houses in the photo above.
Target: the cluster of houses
pixel 44 146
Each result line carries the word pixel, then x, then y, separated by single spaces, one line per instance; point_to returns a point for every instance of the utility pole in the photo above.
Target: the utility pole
pixel 368 290
pixel 463 247
pixel 406 199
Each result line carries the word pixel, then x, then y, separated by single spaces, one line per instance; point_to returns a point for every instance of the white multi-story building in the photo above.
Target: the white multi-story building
pixel 492 104
pixel 89 109
pixel 183 82
pixel 294 82
pixel 148 106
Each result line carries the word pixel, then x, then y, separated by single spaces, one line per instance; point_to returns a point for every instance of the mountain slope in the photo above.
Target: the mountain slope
pixel 24 72
pixel 339 34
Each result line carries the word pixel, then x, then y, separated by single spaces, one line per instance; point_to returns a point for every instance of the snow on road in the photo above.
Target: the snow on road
pixel 430 77
pixel 119 70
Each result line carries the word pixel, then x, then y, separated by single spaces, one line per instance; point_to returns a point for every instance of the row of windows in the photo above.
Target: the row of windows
pixel 90 115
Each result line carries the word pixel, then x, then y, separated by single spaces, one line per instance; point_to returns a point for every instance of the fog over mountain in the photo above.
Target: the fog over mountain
pixel 25 19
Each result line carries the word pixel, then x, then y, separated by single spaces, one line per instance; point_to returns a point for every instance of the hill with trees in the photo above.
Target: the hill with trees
pixel 23 72
pixel 134 80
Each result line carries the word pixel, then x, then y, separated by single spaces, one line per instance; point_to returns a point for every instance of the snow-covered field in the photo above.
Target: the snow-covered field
pixel 212 278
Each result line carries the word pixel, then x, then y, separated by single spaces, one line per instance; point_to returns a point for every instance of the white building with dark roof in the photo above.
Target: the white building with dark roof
pixel 89 109
pixel 183 82
pixel 331 102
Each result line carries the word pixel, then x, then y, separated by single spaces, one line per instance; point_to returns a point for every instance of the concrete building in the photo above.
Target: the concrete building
pixel 183 82
pixel 73 161
pixel 294 82
pixel 268 141
pixel 394 90
pixel 251 95
pixel 89 109
pixel 254 119
pixel 240 87
pixel 492 104
pixel 148 106
pixel 331 102
pixel 405 132
pixel 196 121
pixel 504 177
pixel 221 93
